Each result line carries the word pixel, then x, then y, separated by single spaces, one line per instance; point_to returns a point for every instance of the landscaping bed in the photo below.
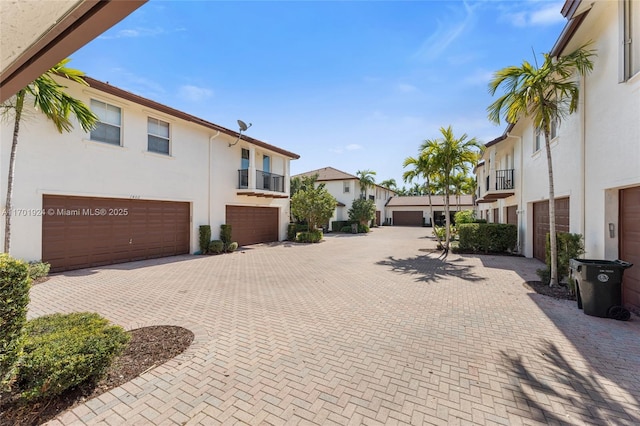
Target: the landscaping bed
pixel 559 292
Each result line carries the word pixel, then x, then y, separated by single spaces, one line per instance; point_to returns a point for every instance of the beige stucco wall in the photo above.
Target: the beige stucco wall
pixel 199 172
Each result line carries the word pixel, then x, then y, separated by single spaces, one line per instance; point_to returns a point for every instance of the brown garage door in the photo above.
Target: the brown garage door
pixel 541 224
pixel 252 225
pixel 378 217
pixel 84 232
pixel 512 215
pixel 408 218
pixel 630 244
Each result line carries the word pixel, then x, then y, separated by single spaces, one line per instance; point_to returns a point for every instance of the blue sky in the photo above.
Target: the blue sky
pixel 352 85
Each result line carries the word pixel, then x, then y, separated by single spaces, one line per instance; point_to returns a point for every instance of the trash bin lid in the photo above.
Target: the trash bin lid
pixel 575 263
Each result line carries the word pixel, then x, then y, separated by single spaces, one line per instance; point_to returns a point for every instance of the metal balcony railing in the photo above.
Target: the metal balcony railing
pixel 264 181
pixel 504 179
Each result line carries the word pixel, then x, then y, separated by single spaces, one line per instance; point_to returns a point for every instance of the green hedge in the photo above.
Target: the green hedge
pixel 38 269
pixel 14 298
pixel 570 246
pixel 225 235
pixel 205 237
pixel 216 247
pixel 487 237
pixel 62 351
pixel 339 225
pixel 310 236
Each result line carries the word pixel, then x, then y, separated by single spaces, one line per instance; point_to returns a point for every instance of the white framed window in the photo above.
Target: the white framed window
pixel 630 43
pixel 346 187
pixel 539 136
pixel 108 129
pixel 158 139
pixel 244 162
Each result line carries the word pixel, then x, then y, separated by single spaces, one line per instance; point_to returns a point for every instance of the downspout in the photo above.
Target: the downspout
pixel 583 153
pixel 521 210
pixel 211 138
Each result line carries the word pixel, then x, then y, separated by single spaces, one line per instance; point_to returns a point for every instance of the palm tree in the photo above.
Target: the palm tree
pixel 546 94
pixel 422 166
pixel 367 180
pixel 48 97
pixel 457 184
pixel 389 184
pixel 451 155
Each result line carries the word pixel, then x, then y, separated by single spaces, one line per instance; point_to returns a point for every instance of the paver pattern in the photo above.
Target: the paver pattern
pixel 364 329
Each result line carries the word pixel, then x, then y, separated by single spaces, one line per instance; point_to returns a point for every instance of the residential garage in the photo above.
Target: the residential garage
pixel 378 213
pixel 407 218
pixel 541 224
pixel 512 215
pixel 629 241
pixel 253 225
pixel 85 232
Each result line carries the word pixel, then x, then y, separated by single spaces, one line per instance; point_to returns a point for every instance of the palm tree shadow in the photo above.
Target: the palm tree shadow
pixel 549 377
pixel 428 269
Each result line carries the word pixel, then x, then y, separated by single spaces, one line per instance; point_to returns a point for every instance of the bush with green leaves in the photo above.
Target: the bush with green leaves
pixel 363 229
pixel 225 235
pixel 233 246
pixel 291 232
pixel 205 237
pixel 487 237
pixel 347 229
pixel 570 246
pixel 64 350
pixel 440 232
pixel 464 216
pixel 339 225
pixel 313 205
pixel 362 211
pixel 38 269
pixel 216 247
pixel 314 236
pixel 14 299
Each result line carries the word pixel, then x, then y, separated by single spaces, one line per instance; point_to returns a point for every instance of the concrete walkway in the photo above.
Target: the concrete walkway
pixel 362 329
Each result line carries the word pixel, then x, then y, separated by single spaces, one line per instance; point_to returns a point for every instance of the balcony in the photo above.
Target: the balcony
pixel 501 186
pixel 266 184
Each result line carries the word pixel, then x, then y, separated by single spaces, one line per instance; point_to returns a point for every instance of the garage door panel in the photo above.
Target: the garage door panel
pixel 89 239
pixel 253 225
pixel 629 241
pixel 407 218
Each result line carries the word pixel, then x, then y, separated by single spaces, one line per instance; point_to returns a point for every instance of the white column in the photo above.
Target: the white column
pixel 252 168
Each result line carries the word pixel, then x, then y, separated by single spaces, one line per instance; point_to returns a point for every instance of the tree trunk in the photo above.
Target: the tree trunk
pixel 433 224
pixel 447 213
pixel 12 163
pixel 553 243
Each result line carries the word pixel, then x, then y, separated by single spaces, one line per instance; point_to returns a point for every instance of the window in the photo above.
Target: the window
pixel 108 127
pixel 244 162
pixel 346 187
pixel 372 198
pixel 266 164
pixel 630 57
pixel 158 138
pixel 539 139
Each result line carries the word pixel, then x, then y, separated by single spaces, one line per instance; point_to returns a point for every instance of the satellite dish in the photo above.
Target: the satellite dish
pixel 243 125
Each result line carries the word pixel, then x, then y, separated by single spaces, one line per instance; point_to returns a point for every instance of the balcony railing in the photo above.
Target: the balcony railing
pixel 504 180
pixel 264 181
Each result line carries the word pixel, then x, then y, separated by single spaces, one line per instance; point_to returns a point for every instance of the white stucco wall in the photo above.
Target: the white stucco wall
pixel 71 164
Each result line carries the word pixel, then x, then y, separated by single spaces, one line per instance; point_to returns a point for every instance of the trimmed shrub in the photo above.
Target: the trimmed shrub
pixel 464 216
pixel 310 236
pixel 14 298
pixel 487 237
pixel 225 235
pixel 291 231
pixel 216 247
pixel 232 247
pixel 346 229
pixel 38 269
pixel 570 246
pixel 339 225
pixel 480 221
pixel 363 229
pixel 205 237
pixel 62 351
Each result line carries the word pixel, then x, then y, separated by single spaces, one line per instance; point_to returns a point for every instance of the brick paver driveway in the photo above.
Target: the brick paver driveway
pixel 363 329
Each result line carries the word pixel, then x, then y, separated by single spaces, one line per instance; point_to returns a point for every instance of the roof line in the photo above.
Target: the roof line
pixel 115 91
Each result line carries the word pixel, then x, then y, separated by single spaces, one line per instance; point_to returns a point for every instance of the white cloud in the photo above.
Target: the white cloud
pixel 537 14
pixel 445 34
pixel 406 88
pixel 192 93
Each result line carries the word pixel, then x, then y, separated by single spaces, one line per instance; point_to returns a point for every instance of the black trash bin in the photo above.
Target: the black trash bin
pixel 599 287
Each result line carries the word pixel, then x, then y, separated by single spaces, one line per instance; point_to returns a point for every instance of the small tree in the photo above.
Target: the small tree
pixel 315 205
pixel 363 211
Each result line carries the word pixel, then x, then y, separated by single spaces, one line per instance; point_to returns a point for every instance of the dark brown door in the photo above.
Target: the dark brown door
pixel 84 232
pixel 541 224
pixel 629 241
pixel 252 225
pixel 496 217
pixel 407 218
pixel 378 217
pixel 512 215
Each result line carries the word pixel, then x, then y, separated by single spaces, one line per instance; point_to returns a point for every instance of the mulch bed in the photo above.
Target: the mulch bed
pixel 148 348
pixel 559 292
